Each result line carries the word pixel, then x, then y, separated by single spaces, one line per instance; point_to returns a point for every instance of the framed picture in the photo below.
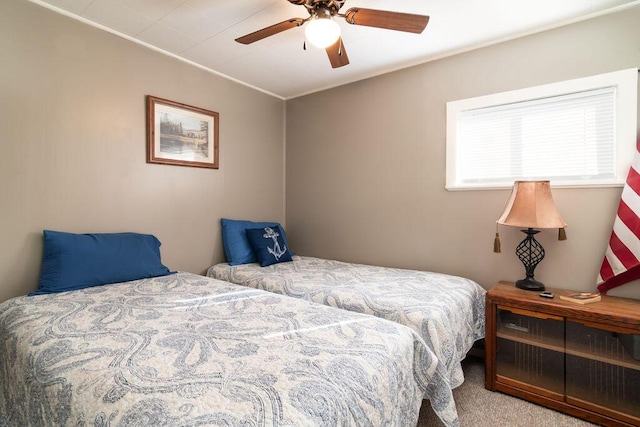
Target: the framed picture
pixel 179 134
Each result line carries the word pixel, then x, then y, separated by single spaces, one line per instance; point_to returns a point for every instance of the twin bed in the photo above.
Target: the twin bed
pixel 184 349
pixel 446 311
pixel 236 349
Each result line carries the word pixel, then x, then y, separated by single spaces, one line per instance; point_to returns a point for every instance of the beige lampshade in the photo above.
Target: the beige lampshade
pixel 531 205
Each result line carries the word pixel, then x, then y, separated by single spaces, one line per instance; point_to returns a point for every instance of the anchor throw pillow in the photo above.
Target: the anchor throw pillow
pixel 235 242
pixel 269 245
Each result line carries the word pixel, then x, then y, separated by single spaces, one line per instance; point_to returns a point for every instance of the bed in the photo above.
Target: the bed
pixel 183 349
pixel 446 311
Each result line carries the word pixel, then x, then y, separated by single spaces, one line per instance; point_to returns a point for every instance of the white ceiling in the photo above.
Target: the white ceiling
pixel 203 32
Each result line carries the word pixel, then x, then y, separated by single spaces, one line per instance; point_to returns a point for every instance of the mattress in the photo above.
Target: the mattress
pixel 186 350
pixel 446 311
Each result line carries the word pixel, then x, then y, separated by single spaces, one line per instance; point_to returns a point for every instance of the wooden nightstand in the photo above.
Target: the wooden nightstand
pixel 574 358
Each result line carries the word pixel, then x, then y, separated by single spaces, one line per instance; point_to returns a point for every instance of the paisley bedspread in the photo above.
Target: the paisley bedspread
pixel 188 350
pixel 447 311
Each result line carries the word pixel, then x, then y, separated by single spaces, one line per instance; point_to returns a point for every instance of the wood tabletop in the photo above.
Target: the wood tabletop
pixel 612 310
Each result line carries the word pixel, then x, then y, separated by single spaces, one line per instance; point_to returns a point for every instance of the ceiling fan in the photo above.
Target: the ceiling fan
pixel 324 32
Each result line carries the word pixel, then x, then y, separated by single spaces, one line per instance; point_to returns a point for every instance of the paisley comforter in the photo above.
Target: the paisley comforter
pixel 188 350
pixel 446 311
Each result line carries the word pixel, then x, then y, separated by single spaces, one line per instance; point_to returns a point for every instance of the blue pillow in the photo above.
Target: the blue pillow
pixel 75 261
pixel 269 245
pixel 234 240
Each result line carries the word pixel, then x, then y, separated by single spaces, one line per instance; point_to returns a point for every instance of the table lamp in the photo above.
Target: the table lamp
pixel 531 205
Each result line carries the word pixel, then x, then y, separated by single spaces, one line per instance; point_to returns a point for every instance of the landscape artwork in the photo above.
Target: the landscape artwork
pixel 179 134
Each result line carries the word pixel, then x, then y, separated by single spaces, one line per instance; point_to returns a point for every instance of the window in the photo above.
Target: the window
pixel 575 133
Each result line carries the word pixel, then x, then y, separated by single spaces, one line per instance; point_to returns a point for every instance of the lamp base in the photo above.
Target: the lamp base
pixel 529 284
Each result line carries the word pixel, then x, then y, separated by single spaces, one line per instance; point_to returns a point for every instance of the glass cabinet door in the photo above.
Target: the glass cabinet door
pixel 530 349
pixel 603 368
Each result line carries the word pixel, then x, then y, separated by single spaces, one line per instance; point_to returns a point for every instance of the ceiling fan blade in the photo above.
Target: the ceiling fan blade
pixel 271 30
pixel 388 20
pixel 337 55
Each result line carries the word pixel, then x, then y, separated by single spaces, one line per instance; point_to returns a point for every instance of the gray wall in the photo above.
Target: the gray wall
pixel 72 146
pixel 368 184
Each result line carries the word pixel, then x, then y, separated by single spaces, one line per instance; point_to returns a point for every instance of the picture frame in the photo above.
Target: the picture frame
pixel 180 134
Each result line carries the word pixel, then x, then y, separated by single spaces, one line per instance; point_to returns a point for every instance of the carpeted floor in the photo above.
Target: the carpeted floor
pixel 479 407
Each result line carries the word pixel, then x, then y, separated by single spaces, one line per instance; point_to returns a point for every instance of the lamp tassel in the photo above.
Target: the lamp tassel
pixel 496 241
pixel 562 234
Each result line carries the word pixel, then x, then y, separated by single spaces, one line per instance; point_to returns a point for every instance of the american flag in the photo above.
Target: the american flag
pixel 621 262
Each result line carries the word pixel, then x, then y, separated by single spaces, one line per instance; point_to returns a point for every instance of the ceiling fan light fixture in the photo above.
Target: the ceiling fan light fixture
pixel 322 31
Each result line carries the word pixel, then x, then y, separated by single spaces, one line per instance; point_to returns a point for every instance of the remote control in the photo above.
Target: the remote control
pixel 546 294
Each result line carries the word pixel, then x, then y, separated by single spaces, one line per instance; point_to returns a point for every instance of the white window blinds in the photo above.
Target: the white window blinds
pixel 568 138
